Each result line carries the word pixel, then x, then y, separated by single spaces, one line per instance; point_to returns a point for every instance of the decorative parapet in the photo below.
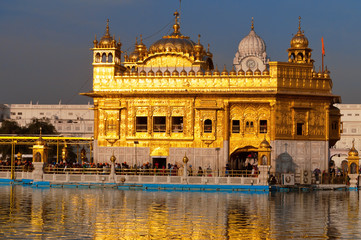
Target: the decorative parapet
pixel 283 78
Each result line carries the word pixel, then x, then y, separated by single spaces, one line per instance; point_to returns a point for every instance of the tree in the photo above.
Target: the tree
pixel 8 127
pixel 36 124
pixel 47 128
pixel 12 127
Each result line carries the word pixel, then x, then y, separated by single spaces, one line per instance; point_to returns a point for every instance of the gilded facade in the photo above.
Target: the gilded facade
pixel 169 99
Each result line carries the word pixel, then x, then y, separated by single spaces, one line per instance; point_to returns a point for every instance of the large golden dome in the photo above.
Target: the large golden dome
pixel 175 42
pixel 183 45
pixel 299 40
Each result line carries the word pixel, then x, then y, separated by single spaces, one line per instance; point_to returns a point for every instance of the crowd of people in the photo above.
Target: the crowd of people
pixel 23 165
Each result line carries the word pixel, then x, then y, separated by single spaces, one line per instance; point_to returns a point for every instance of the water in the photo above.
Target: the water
pixel 54 213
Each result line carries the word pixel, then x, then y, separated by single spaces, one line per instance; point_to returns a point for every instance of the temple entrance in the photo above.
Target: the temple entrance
pixel 159 162
pixel 243 159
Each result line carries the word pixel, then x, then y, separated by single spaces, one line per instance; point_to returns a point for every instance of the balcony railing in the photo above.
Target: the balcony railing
pixel 141 127
pixel 159 128
pixel 177 128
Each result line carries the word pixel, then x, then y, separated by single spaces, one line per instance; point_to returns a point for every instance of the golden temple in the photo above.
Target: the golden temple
pixel 169 100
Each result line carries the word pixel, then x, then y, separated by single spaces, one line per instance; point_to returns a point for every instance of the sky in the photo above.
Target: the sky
pixel 45 45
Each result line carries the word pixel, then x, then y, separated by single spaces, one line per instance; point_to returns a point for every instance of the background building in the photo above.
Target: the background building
pixel 351 131
pixel 68 120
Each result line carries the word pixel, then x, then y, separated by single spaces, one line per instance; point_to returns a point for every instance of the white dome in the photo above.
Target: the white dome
pixel 252 44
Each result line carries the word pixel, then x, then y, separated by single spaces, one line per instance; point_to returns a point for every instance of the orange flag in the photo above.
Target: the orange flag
pixel 323 47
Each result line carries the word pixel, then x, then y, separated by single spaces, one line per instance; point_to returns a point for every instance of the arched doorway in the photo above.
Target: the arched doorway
pixel 344 167
pixel 243 158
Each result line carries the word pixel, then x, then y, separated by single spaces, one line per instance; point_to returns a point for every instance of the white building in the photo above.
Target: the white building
pixel 351 130
pixel 69 120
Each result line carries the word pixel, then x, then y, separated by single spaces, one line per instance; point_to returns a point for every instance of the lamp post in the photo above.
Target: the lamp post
pixel 185 160
pixel 19 156
pixel 136 153
pixel 83 155
pixel 12 170
pixel 217 150
pixel 64 153
pixel 112 168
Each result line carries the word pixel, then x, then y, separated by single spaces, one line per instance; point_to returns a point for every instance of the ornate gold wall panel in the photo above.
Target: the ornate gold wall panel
pixel 249 112
pixel 167 61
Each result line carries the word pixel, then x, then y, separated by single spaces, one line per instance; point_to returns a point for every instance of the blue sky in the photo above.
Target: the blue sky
pixel 45 44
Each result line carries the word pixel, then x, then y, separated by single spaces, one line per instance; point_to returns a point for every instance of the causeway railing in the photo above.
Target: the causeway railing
pixel 149 172
pixel 21 168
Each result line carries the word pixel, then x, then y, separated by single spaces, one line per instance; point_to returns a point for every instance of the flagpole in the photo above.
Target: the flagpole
pixel 323 52
pixel 322 62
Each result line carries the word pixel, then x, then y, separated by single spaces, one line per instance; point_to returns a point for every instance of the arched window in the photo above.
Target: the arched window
pixel 104 58
pixel 264 160
pixel 208 126
pixel 249 126
pixel 292 56
pixel 353 168
pixel 110 58
pixel 344 166
pixel 38 157
pixel 299 57
pixel 97 58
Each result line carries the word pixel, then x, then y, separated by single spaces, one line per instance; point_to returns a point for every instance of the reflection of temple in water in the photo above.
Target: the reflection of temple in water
pixel 114 214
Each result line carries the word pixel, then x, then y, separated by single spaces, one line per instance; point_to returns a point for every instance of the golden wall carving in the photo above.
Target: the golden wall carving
pixel 249 112
pixel 167 61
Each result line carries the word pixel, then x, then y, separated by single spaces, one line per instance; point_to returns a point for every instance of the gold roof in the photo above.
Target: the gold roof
pixel 353 152
pixel 299 40
pixel 265 144
pixel 106 39
pixel 174 42
pixel 40 140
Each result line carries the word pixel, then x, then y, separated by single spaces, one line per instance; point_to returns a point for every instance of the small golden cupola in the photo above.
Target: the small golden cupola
pixel 198 49
pixel 138 54
pixel 133 57
pixel 353 152
pixel 264 153
pixel 107 41
pixel 265 144
pixel 142 49
pixel 299 51
pixel 353 160
pixel 107 52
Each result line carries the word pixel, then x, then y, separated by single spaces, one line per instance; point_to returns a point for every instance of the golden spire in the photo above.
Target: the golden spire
pixel 176 24
pixel 199 39
pixel 224 72
pixel 252 26
pixel 107 29
pixel 299 23
pixel 141 39
pixel 176 15
pixel 95 41
pixel 353 152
